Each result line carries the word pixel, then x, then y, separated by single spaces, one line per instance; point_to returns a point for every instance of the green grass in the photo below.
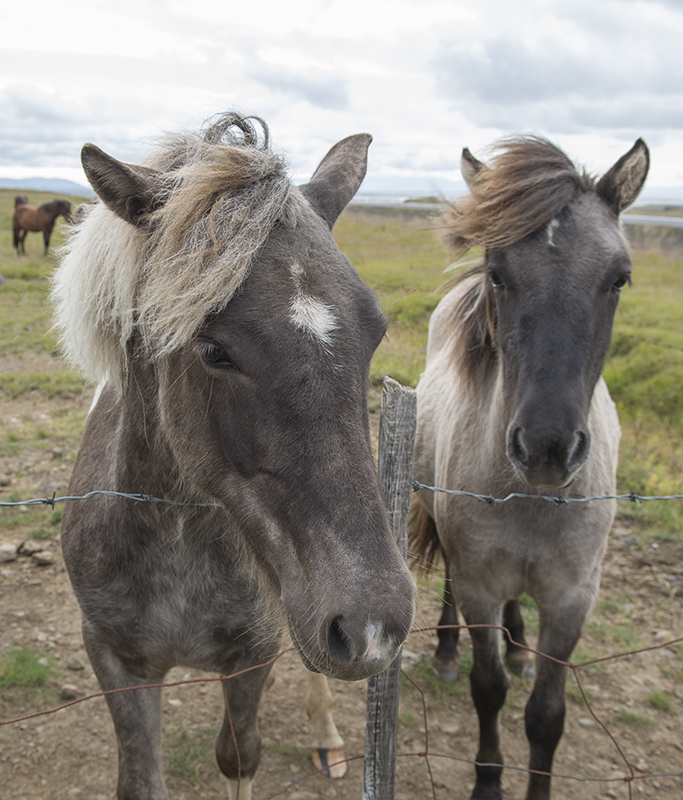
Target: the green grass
pixel 26 667
pixel 60 383
pixel 661 701
pixel 437 693
pixel 404 265
pixel 619 636
pixel 637 719
pixel 189 752
pixel 28 674
pixel 574 693
pixel 407 717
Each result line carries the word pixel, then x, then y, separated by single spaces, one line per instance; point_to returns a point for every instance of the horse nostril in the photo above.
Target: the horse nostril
pixel 517 452
pixel 339 643
pixel 580 452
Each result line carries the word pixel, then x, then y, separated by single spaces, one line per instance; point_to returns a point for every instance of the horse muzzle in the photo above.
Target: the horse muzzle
pixel 546 461
pixel 348 657
pixel 355 645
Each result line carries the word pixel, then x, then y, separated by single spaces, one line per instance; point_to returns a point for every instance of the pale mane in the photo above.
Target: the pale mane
pixel 221 192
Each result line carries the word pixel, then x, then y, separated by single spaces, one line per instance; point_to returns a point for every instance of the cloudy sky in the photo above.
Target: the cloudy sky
pixel 425 77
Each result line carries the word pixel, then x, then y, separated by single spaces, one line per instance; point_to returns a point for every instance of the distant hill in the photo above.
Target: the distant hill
pixel 52 185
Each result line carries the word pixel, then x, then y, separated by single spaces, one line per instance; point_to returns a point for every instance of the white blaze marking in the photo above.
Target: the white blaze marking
pixel 553 225
pixel 308 313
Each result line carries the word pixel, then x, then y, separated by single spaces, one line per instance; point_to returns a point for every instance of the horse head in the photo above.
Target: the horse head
pixel 556 261
pixel 260 398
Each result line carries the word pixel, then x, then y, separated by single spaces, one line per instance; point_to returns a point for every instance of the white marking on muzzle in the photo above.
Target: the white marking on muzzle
pixel 371 636
pixel 309 314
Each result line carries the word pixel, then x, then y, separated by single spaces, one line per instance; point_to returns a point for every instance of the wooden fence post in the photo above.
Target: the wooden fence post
pixel 395 469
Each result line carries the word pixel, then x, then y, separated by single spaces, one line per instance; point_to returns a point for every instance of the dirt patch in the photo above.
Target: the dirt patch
pixel 72 753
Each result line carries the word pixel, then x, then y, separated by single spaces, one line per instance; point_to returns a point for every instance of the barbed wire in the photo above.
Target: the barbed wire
pixel 139 498
pixel 558 500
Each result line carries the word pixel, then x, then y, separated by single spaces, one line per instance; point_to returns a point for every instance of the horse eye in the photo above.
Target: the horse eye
pixel 619 284
pixel 215 355
pixel 495 279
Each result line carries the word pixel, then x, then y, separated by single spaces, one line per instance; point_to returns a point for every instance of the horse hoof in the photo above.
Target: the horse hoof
pixel 330 761
pixel 448 673
pixel 486 793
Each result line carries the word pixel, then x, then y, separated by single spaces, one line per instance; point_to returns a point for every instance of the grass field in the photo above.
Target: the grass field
pixel 399 257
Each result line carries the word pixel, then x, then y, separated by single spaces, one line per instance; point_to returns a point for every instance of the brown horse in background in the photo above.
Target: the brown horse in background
pixel 28 219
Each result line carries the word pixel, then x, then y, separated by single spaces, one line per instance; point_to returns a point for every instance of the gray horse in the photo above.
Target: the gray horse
pixel 232 341
pixel 512 401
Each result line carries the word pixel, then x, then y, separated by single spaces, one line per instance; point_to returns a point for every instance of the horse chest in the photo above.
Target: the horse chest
pixel 522 546
pixel 177 601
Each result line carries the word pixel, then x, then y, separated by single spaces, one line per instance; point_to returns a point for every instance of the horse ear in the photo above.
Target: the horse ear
pixel 622 184
pixel 129 190
pixel 338 177
pixel 469 166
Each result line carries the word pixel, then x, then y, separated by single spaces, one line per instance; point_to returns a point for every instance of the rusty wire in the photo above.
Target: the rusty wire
pixel 426 754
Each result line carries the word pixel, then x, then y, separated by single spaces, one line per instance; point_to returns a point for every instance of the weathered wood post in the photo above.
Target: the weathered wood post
pixel 395 469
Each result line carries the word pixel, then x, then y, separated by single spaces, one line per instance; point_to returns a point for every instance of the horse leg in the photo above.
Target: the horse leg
pixel 238 744
pixel 489 682
pixel 545 710
pixel 446 660
pixel 519 660
pixel 137 718
pixel 327 748
pixel 46 237
pixel 21 237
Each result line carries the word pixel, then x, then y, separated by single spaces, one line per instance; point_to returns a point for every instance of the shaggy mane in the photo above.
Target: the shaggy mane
pixel 219 193
pixel 527 183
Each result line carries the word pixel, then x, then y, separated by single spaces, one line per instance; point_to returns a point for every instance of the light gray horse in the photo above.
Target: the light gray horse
pixel 512 401
pixel 232 341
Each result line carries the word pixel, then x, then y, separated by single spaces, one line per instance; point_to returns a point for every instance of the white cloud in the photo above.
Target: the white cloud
pixel 425 79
